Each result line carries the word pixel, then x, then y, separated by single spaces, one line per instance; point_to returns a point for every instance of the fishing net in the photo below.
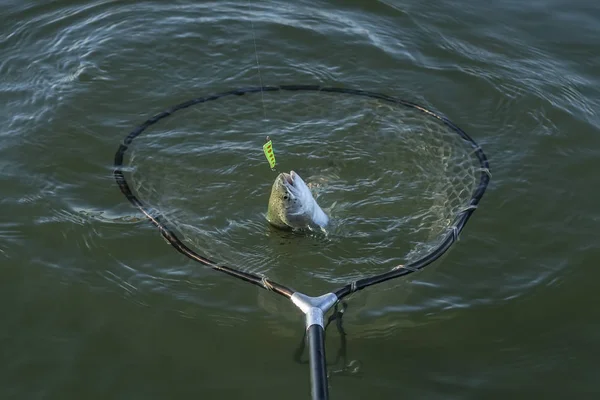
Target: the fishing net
pixel 398 181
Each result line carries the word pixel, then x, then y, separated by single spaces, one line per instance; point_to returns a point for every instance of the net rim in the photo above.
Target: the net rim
pixel 262 281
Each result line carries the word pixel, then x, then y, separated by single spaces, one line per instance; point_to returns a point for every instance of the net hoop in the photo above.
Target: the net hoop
pixel 263 281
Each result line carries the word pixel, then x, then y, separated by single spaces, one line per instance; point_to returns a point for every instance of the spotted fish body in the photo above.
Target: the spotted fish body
pixel 292 205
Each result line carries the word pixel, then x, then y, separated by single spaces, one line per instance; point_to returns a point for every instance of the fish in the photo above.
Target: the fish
pixel 292 205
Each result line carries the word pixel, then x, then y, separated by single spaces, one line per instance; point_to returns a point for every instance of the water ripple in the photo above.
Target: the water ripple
pixel 78 77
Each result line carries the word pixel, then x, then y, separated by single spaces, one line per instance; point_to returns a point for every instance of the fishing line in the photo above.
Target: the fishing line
pixel 268 146
pixel 262 96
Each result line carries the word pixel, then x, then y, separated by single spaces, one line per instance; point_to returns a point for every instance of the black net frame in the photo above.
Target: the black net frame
pixel 264 282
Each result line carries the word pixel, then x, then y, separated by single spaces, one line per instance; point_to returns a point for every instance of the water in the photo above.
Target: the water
pixel 95 304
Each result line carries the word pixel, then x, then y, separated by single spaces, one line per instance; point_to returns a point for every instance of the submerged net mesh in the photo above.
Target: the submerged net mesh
pixel 398 181
pixel 439 174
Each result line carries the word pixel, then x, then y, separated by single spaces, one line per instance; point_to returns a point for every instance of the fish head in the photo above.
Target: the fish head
pixel 290 201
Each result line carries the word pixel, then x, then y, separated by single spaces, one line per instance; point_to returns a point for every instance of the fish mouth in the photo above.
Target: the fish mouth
pixel 288 178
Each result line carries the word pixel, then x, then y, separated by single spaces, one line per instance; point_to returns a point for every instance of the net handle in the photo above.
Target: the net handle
pixel 262 281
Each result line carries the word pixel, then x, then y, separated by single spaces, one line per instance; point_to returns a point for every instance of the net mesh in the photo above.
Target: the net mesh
pixel 392 178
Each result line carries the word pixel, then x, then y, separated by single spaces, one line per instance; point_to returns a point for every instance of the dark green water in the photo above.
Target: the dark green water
pixel 95 304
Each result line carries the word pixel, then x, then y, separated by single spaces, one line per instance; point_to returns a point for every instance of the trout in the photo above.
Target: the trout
pixel 292 205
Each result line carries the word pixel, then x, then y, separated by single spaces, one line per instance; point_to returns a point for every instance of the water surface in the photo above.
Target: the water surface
pixel 95 304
